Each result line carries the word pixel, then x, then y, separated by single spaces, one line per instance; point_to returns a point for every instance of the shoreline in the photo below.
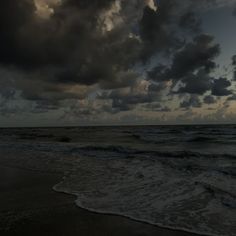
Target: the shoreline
pixel 30 206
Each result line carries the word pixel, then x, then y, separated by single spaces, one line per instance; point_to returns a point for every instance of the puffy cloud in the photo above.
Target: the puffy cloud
pixel 126 99
pixel 192 102
pixel 157 107
pixel 221 87
pixel 198 83
pixel 232 98
pixel 209 99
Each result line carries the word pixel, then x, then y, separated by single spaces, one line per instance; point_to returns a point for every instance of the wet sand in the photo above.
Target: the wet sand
pixel 29 206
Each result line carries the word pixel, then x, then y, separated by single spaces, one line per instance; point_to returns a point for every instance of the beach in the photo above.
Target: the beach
pixel 29 206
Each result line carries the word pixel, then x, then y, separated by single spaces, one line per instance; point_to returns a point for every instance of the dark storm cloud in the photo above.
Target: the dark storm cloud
pixel 165 31
pixel 190 21
pixel 221 87
pixel 101 43
pixel 68 39
pixel 67 49
pixel 196 55
pixel 198 83
pixel 11 50
pixel 156 30
pixel 29 42
pixel 71 35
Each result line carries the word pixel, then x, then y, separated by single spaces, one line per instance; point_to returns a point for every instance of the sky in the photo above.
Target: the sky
pixel 117 62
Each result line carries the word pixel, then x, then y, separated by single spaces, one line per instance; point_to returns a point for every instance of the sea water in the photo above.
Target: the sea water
pixel 180 177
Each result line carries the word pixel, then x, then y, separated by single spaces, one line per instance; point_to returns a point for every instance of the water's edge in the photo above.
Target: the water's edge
pixel 80 205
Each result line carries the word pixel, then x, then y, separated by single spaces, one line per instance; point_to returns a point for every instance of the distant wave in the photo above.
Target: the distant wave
pixel 202 139
pixel 149 153
pixel 110 148
pixel 101 150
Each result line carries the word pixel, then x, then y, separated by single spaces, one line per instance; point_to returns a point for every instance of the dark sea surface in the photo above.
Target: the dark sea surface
pixel 181 177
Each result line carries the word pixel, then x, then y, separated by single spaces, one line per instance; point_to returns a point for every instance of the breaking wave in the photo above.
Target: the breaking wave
pixel 165 193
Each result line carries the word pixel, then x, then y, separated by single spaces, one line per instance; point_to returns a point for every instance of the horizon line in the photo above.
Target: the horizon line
pixel 116 125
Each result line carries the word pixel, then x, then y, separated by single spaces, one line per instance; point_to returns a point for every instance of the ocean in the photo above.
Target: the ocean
pixel 179 177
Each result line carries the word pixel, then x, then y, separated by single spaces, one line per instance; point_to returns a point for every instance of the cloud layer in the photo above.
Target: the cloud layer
pixel 119 55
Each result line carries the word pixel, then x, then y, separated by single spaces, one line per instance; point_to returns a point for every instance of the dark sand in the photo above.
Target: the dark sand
pixel 29 206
